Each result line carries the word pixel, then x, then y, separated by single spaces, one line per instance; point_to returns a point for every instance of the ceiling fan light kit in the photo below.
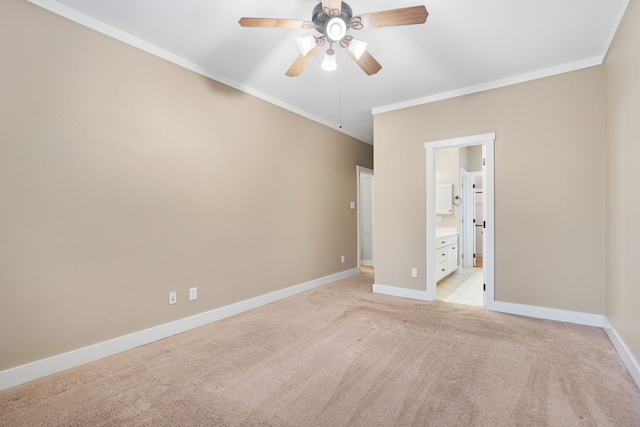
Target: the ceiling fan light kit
pixel 332 19
pixel 329 62
pixel 306 44
pixel 336 29
pixel 357 48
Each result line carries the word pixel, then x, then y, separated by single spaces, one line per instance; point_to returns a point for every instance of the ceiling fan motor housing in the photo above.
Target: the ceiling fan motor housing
pixel 325 24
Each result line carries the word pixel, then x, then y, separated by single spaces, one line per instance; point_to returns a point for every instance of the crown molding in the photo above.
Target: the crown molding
pixel 101 27
pixel 496 84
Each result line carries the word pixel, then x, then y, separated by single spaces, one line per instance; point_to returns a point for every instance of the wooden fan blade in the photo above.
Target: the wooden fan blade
pixel 332 7
pixel 301 63
pixel 275 23
pixel 367 62
pixel 390 18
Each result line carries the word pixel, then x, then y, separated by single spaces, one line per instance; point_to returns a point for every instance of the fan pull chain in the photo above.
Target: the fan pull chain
pixel 340 88
pixel 340 121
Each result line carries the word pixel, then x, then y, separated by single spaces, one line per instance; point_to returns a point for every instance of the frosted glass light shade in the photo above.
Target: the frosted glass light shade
pixel 357 48
pixel 335 29
pixel 305 44
pixel 329 62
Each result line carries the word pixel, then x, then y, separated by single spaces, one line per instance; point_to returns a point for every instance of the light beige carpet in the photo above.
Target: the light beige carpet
pixel 342 356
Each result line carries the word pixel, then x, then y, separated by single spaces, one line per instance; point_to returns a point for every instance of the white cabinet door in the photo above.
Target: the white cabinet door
pixel 446 256
pixel 452 258
pixel 441 270
pixel 444 199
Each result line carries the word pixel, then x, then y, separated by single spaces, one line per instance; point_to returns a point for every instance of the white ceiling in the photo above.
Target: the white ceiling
pixel 465 46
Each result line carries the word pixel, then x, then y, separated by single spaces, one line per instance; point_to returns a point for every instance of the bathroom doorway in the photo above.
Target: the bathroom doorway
pixel 461 283
pixel 484 284
pixel 365 219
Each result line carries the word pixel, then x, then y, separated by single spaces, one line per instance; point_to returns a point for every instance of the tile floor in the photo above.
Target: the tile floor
pixel 367 271
pixel 464 288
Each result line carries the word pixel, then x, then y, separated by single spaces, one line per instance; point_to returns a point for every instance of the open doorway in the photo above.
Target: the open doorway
pixel 365 220
pixel 457 230
pixel 462 284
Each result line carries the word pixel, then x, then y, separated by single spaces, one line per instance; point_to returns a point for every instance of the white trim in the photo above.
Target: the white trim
pixel 366 262
pixel 496 84
pixel 614 28
pixel 400 292
pixel 41 368
pixel 549 313
pixel 488 258
pixel 87 21
pixel 94 24
pixel 463 141
pixel 627 358
pixel 521 78
pixel 431 218
pixel 487 140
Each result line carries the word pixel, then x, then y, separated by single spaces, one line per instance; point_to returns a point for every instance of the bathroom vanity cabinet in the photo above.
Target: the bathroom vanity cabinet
pixel 446 254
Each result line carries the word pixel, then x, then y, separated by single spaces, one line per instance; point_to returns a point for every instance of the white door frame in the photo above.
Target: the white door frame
pixel 360 170
pixel 487 141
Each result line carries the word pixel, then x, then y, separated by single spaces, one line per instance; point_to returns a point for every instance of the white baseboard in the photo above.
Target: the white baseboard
pixel 400 292
pixel 547 313
pixel 627 358
pixel 506 307
pixel 366 262
pixel 41 368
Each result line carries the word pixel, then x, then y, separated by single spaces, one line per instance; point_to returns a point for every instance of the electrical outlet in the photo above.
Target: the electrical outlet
pixel 193 294
pixel 172 297
pixel 414 272
pixel 342 259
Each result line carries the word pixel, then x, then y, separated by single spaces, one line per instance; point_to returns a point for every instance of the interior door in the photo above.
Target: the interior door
pixel 479 191
pixel 467 228
pixel 484 216
pixel 472 202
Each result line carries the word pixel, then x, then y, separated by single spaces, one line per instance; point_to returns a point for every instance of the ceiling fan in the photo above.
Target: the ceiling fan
pixel 332 19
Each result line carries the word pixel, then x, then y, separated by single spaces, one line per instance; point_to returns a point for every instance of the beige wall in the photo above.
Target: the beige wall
pixel 622 148
pixel 473 158
pixel 549 190
pixel 123 177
